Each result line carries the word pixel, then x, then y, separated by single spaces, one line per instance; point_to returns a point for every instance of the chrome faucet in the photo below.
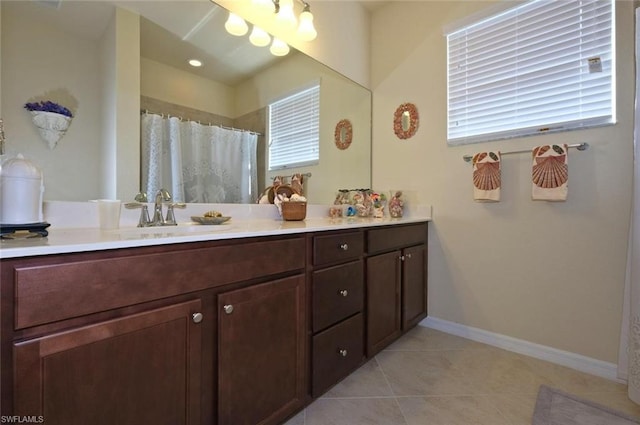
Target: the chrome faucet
pixel 162 195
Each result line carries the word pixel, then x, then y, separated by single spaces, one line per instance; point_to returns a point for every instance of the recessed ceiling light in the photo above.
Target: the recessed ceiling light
pixel 195 62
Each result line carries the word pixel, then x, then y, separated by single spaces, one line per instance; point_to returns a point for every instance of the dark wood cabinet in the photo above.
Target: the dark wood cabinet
pixel 261 350
pixel 229 332
pixel 396 283
pixel 139 369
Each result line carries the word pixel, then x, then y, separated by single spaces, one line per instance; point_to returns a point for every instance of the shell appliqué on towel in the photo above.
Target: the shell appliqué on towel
pixel 486 176
pixel 550 171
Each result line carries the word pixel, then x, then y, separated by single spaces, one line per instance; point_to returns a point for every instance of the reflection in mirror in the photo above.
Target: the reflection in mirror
pixel 343 134
pixel 405 121
pixel 91 54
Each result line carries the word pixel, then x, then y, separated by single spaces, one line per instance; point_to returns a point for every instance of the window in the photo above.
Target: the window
pixel 541 67
pixel 294 133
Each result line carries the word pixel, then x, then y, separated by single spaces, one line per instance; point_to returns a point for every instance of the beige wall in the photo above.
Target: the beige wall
pixel 548 273
pixel 48 63
pixel 172 85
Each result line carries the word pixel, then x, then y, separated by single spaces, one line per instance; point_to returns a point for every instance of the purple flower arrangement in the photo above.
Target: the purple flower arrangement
pixel 48 106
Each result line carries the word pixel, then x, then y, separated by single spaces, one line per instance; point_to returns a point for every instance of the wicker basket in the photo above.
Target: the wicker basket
pixel 294 211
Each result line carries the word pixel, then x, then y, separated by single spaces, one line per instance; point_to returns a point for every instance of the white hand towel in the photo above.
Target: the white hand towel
pixel 486 177
pixel 550 173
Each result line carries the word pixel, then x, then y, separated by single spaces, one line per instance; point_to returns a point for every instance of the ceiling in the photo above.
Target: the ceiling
pixel 373 5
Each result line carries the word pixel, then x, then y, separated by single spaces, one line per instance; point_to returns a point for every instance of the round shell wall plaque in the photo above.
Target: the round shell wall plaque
pixel 343 134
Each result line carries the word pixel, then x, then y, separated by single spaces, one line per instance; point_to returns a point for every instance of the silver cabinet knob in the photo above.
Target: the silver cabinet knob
pixel 402 258
pixel 344 247
pixel 197 317
pixel 228 308
pixel 408 256
pixel 342 352
pixel 343 292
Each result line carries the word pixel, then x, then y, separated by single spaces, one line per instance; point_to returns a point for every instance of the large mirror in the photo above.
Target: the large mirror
pixel 86 55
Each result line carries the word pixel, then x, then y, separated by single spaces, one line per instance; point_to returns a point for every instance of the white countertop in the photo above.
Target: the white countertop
pixel 251 221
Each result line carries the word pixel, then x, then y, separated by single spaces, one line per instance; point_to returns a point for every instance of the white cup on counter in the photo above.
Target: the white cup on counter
pixel 108 213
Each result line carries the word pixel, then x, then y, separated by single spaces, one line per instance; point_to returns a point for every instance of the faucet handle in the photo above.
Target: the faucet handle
pixel 141 197
pixel 171 217
pixel 144 220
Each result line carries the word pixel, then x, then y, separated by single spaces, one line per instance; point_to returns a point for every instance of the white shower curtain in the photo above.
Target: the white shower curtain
pixel 198 163
pixel 629 357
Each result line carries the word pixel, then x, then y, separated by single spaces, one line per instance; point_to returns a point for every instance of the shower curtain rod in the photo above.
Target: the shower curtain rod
pixel 580 146
pixel 146 111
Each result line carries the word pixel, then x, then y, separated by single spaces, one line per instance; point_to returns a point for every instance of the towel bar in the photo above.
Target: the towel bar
pixel 580 146
pixel 303 175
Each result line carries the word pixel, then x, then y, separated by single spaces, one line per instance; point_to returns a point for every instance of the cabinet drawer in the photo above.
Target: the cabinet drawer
pixel 394 237
pixel 337 247
pixel 47 292
pixel 338 292
pixel 336 353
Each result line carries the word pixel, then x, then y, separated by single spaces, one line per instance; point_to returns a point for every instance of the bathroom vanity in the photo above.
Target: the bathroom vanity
pixel 228 330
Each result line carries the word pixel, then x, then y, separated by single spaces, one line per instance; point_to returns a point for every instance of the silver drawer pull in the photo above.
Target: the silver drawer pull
pixel 197 317
pixel 342 352
pixel 344 247
pixel 228 308
pixel 343 292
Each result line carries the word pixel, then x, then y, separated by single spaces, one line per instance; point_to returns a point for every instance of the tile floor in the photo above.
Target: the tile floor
pixel 432 378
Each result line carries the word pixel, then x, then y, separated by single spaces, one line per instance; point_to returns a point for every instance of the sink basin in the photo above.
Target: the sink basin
pixel 182 229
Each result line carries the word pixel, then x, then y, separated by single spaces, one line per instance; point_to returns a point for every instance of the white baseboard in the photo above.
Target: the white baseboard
pixel 565 358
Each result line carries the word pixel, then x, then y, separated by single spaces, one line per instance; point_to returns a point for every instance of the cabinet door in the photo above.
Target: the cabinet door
pixel 414 286
pixel 139 369
pixel 261 351
pixel 383 301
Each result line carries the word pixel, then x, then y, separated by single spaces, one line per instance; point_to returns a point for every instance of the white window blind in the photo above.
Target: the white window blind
pixel 541 67
pixel 294 129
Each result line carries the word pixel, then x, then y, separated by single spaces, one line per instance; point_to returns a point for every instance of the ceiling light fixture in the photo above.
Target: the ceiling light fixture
pixel 235 25
pixel 259 37
pixel 285 17
pixel 195 63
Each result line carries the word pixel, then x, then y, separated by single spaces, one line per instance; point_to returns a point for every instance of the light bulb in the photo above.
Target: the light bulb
pixel 235 25
pixel 259 37
pixel 306 30
pixel 278 47
pixel 285 17
pixel 263 5
pixel 195 63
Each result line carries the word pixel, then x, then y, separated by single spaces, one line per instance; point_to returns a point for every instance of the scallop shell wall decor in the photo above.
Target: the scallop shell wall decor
pixel 51 126
pixel 550 171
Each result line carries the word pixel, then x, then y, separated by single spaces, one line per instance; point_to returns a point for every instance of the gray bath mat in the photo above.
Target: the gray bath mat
pixel 554 407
